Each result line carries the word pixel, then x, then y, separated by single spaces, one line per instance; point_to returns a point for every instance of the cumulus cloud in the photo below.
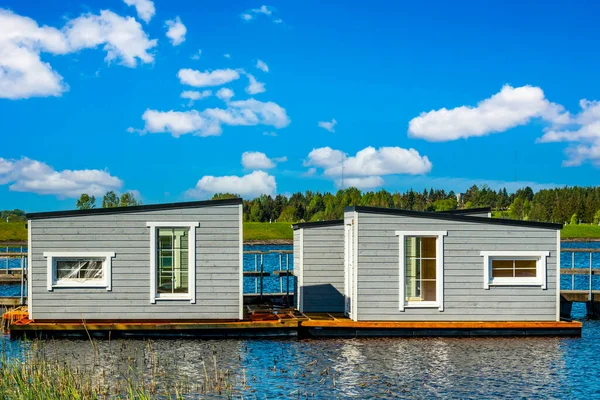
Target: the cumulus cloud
pixel 22 41
pixel 176 31
pixel 26 175
pixel 225 94
pixel 368 182
pixel 196 56
pixel 144 8
pixel 260 64
pixel 217 77
pixel 267 11
pixel 583 134
pixel 254 87
pixel 209 122
pixel 258 160
pixel 328 125
pixel 193 95
pixel 251 185
pixel 367 167
pixel 507 109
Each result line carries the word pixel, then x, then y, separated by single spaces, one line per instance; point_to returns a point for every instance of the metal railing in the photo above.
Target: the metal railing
pixel 573 271
pixel 283 272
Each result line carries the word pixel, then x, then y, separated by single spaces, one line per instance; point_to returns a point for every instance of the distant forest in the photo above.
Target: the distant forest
pixel 560 205
pixel 572 205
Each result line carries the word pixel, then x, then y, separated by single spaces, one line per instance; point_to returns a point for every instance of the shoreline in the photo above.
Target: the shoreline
pixel 258 242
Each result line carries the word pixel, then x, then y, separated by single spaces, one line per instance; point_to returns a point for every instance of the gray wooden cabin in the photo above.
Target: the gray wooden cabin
pixel 180 261
pixel 423 266
pixel 319 266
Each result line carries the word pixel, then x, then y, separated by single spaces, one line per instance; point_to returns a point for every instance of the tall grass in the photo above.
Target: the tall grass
pixel 36 373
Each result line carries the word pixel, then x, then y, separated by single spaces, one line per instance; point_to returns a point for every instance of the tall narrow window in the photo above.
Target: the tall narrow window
pixel 172 257
pixel 421 269
pixel 172 261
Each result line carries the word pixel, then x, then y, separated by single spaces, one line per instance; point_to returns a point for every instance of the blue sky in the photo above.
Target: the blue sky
pixel 443 95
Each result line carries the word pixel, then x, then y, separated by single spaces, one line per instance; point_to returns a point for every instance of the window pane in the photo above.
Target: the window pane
pixel 79 269
pixel 412 246
pixel 502 268
pixel 429 290
pixel 412 290
pixel 525 273
pixel 428 249
pixel 527 264
pixel 412 266
pixel 428 269
pixel 172 260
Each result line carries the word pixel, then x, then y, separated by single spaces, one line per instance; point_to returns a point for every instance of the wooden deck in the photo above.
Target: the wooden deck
pixel 290 324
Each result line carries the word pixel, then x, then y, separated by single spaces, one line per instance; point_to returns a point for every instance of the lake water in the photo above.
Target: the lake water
pixel 537 368
pixel 533 368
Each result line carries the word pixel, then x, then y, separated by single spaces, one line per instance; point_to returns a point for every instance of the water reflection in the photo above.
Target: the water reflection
pixel 348 368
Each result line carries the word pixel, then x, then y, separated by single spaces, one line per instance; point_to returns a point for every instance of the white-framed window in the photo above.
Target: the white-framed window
pixel 514 268
pixel 172 261
pixel 88 269
pixel 421 259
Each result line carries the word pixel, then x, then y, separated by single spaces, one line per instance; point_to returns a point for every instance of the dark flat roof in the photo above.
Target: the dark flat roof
pixel 132 209
pixel 454 217
pixel 468 210
pixel 317 224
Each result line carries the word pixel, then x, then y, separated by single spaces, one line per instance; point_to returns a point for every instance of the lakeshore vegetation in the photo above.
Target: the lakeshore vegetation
pixel 270 218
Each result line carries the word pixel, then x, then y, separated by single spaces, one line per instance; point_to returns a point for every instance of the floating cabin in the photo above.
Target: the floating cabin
pixel 177 270
pixel 136 263
pixel 425 266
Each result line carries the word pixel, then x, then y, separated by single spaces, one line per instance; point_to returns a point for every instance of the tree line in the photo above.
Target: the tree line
pixel 560 205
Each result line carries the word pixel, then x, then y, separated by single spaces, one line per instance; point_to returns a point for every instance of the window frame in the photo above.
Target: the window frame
pixel 191 294
pixel 439 270
pixel 54 283
pixel 541 268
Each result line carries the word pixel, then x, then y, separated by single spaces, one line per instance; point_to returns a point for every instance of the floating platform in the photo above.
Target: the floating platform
pixel 287 324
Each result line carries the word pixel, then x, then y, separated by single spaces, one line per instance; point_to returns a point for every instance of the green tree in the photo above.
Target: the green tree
pixel 110 200
pixel 445 205
pixel 225 196
pixel 288 214
pixel 86 202
pixel 574 219
pixel 597 218
pixel 128 199
pixel 517 208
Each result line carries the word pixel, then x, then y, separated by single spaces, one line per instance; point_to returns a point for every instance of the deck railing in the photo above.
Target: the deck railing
pixel 580 295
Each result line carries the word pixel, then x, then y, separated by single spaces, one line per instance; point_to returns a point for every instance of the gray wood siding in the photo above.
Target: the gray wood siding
pixel 217 265
pixel 323 269
pixel 465 299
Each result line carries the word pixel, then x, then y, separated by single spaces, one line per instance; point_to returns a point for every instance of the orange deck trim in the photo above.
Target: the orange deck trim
pixel 440 325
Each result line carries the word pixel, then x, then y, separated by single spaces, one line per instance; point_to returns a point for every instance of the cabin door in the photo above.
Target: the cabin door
pixel 348 269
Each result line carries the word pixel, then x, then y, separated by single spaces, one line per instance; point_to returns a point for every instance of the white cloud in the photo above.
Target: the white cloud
pixel 310 172
pixel 22 72
pixel 328 125
pixel 225 94
pixel 280 159
pixel 256 160
pixel 582 131
pixel 262 10
pixel 144 8
pixel 176 31
pixel 209 122
pixel 193 95
pixel 196 56
pixel 368 164
pixel 267 133
pixel 507 109
pixel 227 55
pixel 254 87
pixel 26 175
pixel 217 77
pixel 260 64
pixel 123 38
pixel 251 185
